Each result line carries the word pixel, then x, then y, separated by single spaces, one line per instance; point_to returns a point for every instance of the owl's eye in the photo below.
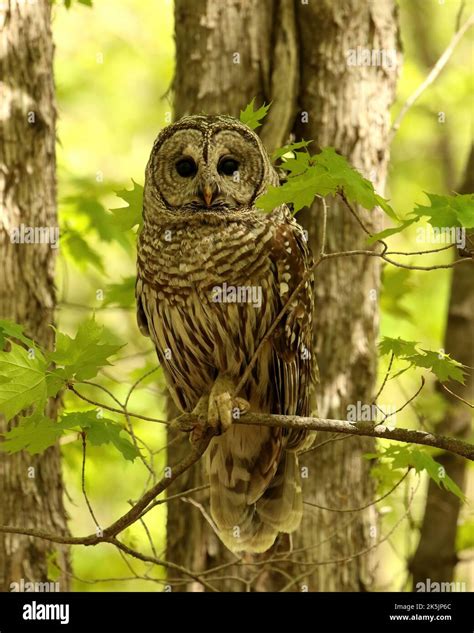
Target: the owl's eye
pixel 186 167
pixel 227 166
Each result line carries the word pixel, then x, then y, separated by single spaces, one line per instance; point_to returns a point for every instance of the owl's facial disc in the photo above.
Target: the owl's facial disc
pixel 208 171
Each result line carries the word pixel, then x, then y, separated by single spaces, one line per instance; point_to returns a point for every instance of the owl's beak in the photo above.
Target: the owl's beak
pixel 207 193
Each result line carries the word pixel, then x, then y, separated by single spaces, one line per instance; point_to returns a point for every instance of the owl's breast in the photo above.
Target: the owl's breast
pixel 208 299
pixel 182 262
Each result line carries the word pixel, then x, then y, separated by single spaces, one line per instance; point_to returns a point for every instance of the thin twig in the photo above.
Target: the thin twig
pixel 435 71
pixel 387 373
pixel 100 405
pixel 360 508
pixel 455 395
pixel 83 480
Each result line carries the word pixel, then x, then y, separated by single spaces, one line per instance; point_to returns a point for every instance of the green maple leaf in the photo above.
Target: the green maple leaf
pixel 298 191
pixel 131 215
pixel 321 175
pixel 442 366
pixel 448 211
pixel 83 355
pixel 390 231
pixel 292 147
pixel 34 434
pixel 397 346
pixel 357 188
pixel 10 329
pixel 56 380
pixel 100 431
pixel 22 380
pixel 252 118
pixel 297 165
pixel 409 456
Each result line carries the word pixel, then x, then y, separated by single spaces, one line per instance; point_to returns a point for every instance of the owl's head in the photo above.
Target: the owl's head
pixel 207 164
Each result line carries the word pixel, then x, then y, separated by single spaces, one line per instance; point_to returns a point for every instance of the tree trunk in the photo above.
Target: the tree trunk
pixel 31 488
pixel 348 108
pixel 294 54
pixel 435 556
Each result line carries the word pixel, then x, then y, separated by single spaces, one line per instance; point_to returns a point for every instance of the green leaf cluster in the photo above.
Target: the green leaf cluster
pixel 130 216
pixel 326 173
pixel 406 456
pixel 440 364
pixel 442 212
pixel 251 117
pixel 29 376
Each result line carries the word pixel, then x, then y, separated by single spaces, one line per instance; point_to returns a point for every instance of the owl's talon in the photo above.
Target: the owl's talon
pixel 218 410
pixel 242 405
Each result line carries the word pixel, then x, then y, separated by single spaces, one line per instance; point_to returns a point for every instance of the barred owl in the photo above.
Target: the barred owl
pixel 213 273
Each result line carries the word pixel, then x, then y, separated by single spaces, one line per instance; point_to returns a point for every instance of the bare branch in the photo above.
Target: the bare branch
pixel 360 508
pixel 435 71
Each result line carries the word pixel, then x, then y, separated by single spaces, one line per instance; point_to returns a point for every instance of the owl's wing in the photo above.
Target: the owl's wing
pixel 142 321
pixel 294 363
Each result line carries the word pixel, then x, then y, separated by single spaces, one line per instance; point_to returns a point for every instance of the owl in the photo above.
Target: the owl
pixel 213 272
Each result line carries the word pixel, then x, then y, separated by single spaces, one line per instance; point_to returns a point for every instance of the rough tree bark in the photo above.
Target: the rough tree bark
pixel 31 490
pixel 294 54
pixel 435 556
pixel 349 109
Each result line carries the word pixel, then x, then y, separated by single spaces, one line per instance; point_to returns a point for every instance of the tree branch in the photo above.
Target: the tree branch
pixel 437 68
pixel 367 429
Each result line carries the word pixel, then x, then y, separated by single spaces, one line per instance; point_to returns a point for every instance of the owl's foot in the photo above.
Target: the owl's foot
pixel 223 406
pixel 219 408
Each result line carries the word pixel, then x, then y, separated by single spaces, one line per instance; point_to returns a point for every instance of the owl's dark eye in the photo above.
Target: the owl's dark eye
pixel 186 167
pixel 228 166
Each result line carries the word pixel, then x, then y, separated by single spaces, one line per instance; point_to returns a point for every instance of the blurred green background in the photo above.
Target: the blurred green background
pixel 113 68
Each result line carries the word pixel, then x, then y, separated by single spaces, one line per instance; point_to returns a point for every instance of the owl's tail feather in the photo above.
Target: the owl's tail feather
pixel 248 524
pixel 281 505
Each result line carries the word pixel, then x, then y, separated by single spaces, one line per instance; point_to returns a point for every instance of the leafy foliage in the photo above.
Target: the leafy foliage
pixel 252 117
pixel 34 434
pixel 447 211
pixel 401 457
pixel 22 380
pixel 99 431
pixel 440 364
pixel 289 149
pixel 442 212
pixel 390 231
pixel 27 379
pixel 83 355
pixel 320 175
pixel 8 329
pixel 131 215
pixel 37 432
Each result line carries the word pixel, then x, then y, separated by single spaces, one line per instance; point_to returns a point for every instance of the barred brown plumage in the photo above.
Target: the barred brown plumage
pixel 213 272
